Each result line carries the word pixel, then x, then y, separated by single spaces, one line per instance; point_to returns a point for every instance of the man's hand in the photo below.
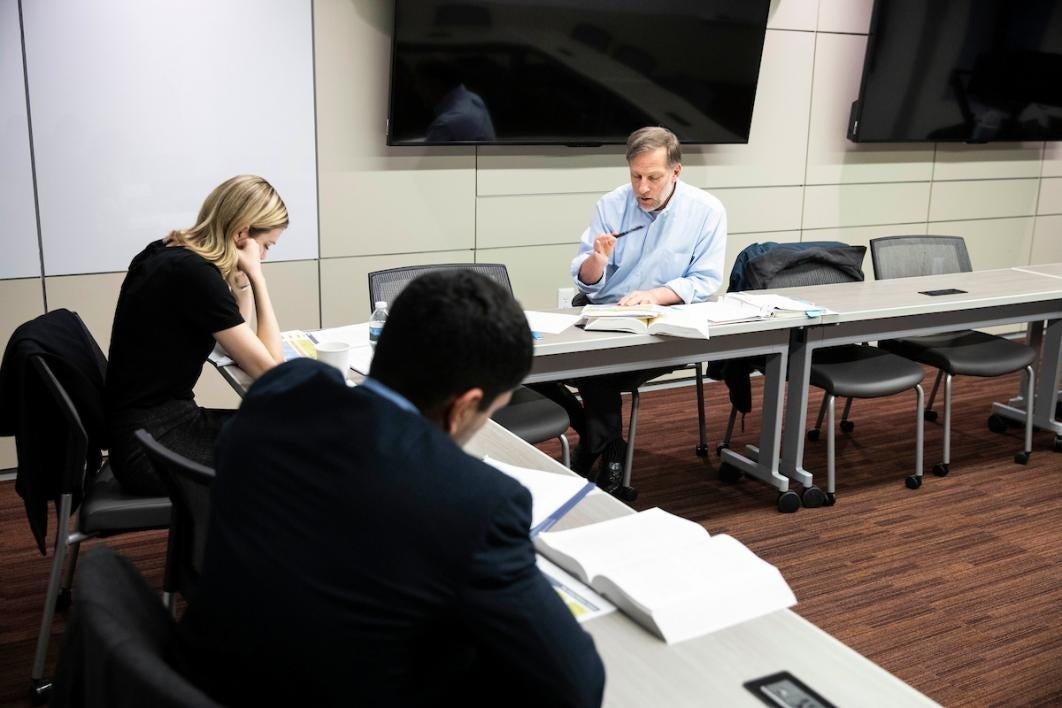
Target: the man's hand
pixel 656 296
pixel 594 267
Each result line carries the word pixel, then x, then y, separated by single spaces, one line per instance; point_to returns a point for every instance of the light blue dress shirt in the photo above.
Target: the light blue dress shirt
pixel 682 246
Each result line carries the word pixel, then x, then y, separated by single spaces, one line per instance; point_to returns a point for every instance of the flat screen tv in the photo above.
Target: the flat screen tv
pixel 573 72
pixel 961 70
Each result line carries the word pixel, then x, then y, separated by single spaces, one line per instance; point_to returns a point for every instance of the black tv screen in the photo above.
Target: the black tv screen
pixel 961 70
pixel 573 72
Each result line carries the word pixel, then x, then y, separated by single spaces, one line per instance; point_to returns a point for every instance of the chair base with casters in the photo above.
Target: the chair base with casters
pixel 862 371
pixel 969 353
pixel 106 510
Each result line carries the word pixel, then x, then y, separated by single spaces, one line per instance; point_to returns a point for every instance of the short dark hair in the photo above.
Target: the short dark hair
pixel 448 332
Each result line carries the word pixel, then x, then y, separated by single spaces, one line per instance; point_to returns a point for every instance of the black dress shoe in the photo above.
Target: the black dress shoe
pixel 583 462
pixel 610 471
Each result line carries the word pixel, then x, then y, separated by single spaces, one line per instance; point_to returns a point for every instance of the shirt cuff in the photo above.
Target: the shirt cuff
pixel 683 288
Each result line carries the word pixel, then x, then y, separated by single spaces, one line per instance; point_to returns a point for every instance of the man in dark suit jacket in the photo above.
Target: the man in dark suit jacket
pixel 357 556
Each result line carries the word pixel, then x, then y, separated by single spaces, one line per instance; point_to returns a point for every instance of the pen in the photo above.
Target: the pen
pixel 630 230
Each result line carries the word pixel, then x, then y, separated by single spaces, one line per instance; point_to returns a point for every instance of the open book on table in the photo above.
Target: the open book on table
pixel 772 305
pixel 644 319
pixel 668 574
pixel 298 343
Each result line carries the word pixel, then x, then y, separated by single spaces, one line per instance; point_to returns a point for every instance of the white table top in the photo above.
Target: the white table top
pixel 641 670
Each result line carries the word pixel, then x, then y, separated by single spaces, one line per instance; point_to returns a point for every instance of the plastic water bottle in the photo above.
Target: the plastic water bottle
pixel 376 322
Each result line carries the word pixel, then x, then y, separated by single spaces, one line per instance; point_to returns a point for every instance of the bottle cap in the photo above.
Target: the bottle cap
pixel 381 304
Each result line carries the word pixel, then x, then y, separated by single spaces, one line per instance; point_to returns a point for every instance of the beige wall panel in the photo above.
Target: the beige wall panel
pixel 832 158
pixel 983 199
pixel 735 243
pixel 861 235
pixel 833 206
pixel 213 391
pixel 418 204
pixel 345 286
pixel 375 199
pixel 777 147
pixel 510 170
pixel 533 220
pixel 792 14
pixel 92 296
pixel 22 301
pixel 993 161
pixel 1050 201
pixel 535 271
pixel 992 243
pixel 295 291
pixel 849 16
pixel 1047 240
pixel 761 208
pixel 1052 159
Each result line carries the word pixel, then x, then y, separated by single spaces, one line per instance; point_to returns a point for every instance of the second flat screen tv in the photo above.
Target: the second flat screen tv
pixel 961 70
pixel 570 72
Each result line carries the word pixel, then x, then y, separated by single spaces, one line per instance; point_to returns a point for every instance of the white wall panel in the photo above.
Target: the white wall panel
pixel 1050 201
pixel 992 243
pixel 983 199
pixel 21 257
pixel 762 208
pixel 535 271
pixel 832 158
pixel 793 14
pixel 345 282
pixel 140 108
pixel 865 204
pixel 1047 240
pixel 847 16
pixel 992 161
pixel 533 220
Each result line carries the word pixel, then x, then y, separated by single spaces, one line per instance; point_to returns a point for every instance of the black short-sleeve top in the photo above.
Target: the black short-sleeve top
pixel 171 303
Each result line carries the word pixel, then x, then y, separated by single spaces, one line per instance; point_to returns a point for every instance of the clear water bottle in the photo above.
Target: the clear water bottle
pixel 376 322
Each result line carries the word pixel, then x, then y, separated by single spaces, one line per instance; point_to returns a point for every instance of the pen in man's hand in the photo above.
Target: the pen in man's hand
pixel 630 230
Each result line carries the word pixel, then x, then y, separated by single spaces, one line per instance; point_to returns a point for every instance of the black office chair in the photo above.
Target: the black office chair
pixel 966 352
pixel 529 415
pixel 115 646
pixel 69 469
pixel 623 488
pixel 849 371
pixel 189 485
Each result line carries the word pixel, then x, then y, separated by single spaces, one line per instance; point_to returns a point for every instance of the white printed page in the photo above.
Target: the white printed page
pixel 598 548
pixel 549 490
pixel 549 322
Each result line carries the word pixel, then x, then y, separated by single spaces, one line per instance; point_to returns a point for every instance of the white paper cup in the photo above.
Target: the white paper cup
pixel 336 354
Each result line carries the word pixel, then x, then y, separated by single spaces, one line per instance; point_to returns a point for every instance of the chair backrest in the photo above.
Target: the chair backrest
pixel 387 284
pixel 909 256
pixel 114 651
pixel 809 273
pixel 189 486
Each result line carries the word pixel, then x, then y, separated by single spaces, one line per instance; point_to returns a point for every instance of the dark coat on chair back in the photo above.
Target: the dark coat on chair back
pixel 29 412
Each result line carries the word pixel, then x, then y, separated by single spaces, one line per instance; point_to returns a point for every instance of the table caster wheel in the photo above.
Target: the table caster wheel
pixel 1022 458
pixel 997 424
pixel 788 502
pixel 830 500
pixel 940 469
pixel 813 497
pixel 913 482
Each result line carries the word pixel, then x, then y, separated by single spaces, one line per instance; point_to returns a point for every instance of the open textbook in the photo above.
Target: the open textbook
pixel 772 305
pixel 644 319
pixel 297 343
pixel 668 574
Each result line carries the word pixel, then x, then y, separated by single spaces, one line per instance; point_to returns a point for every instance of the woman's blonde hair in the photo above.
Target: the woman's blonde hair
pixel 243 202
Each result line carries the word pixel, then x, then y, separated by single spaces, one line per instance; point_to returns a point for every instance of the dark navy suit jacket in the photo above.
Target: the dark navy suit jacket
pixel 357 556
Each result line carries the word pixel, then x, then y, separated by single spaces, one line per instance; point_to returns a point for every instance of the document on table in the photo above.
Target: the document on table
pixel 549 322
pixel 552 495
pixel 584 603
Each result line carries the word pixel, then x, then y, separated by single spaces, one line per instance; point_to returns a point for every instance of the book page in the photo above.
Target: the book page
pixel 549 322
pixel 780 303
pixel 725 310
pixel 634 325
pixel 595 549
pixel 680 323
pixel 701 587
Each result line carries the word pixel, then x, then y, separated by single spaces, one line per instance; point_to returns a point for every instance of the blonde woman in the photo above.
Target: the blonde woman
pixel 182 294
